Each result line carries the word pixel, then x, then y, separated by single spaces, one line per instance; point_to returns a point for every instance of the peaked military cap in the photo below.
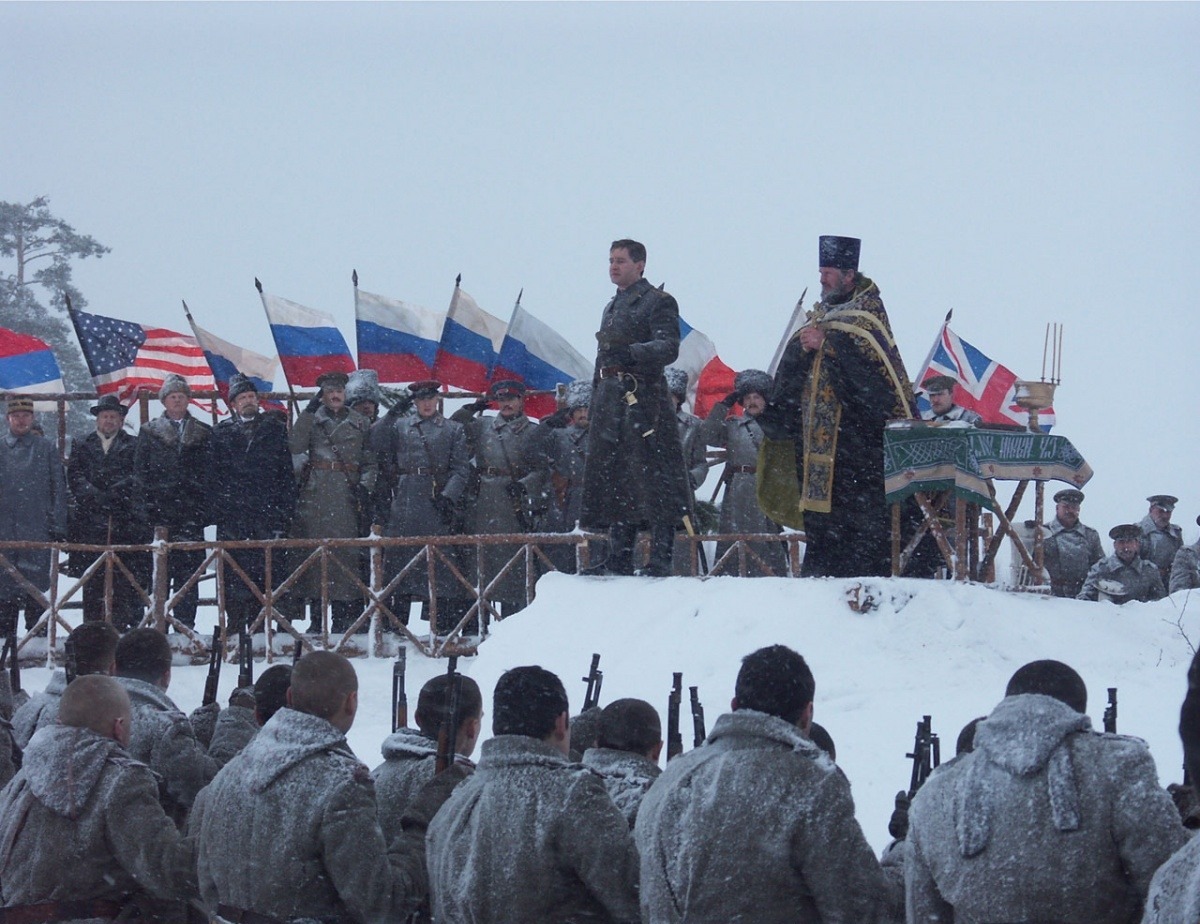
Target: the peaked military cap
pixel 426 389
pixel 108 403
pixel 838 252
pixel 939 383
pixel 1125 531
pixel 332 380
pixel 1166 501
pixel 508 388
pixel 1069 496
pixel 19 403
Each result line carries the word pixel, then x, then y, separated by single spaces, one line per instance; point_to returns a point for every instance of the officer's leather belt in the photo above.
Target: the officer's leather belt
pixel 49 912
pixel 420 470
pixel 243 916
pixel 495 472
pixel 615 372
pixel 322 465
pixel 743 469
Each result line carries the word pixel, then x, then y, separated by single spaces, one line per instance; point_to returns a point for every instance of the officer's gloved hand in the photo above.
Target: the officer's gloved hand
pixel 558 420
pixel 478 405
pixel 432 796
pixel 731 399
pixel 402 406
pixel 314 404
pixel 515 489
pixel 898 825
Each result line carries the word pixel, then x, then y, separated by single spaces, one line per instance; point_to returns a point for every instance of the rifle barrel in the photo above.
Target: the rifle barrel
pixel 448 733
pixel 399 697
pixel 674 738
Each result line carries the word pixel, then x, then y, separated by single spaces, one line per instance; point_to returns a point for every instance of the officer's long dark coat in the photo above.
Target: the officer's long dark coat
pixel 173 479
pixel 33 507
pixel 631 478
pixel 103 508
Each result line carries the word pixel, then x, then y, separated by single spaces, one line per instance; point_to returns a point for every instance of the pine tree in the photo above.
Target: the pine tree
pixel 42 248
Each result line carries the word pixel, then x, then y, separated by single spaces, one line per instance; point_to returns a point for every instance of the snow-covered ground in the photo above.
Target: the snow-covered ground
pixel 939 648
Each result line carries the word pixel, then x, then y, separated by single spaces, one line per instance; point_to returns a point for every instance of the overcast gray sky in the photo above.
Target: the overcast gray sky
pixel 1019 163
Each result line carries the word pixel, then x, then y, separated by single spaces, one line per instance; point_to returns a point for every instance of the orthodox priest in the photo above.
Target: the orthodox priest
pixel 839 381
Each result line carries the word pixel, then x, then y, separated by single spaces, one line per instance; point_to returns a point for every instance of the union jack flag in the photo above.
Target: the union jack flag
pixel 984 386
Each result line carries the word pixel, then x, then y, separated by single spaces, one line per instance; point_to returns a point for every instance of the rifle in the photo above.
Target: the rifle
pixel 214 671
pixel 14 667
pixel 399 697
pixel 926 755
pixel 698 733
pixel 594 679
pixel 245 658
pixel 1110 712
pixel 448 733
pixel 674 738
pixel 71 662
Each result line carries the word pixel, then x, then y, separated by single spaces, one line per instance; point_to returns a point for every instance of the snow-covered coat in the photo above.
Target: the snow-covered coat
pixel 173 487
pixel 568 449
pixel 40 710
pixel 329 499
pixel 1140 579
pixel 740 437
pixel 1185 569
pixel 289 829
pixel 626 776
pixel 81 821
pixel 1160 545
pixel 1044 821
pixel 236 728
pixel 755 826
pixel 1068 554
pixel 1175 889
pixel 695 449
pixel 33 508
pixel 409 759
pixel 163 738
pixel 530 837
pixel 103 490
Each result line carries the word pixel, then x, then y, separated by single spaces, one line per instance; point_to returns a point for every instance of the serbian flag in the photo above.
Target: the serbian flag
pixel 398 340
pixel 308 341
pixel 470 342
pixel 225 359
pixel 125 358
pixel 984 386
pixel 536 354
pixel 709 379
pixel 28 366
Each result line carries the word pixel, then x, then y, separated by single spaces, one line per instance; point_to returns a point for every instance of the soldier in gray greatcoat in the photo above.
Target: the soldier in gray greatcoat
pixel 336 470
pixel 297 804
pixel 250 708
pixel 628 745
pixel 33 507
pixel 162 737
pixel 1045 820
pixel 410 755
pixel 1069 549
pixel 635 473
pixel 424 471
pixel 1123 576
pixel 566 435
pixel 82 835
pixel 740 437
pixel 1185 568
pixel 1160 538
pixel 363 393
pixel 760 805
pixel 512 470
pixel 94 646
pixel 695 457
pixel 529 836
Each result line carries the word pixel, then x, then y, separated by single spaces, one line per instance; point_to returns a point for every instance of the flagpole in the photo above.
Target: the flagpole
pixel 787 333
pixel 937 340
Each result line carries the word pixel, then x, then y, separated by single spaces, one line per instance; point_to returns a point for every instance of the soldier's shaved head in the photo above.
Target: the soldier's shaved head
pixel 95 702
pixel 321 683
pixel 95 647
pixel 1050 678
pixel 629 725
pixel 143 654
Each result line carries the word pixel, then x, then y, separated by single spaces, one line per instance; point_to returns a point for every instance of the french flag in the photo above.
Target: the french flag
pixel 536 354
pixel 709 379
pixel 984 386
pixel 308 341
pixel 470 342
pixel 225 359
pixel 27 365
pixel 398 340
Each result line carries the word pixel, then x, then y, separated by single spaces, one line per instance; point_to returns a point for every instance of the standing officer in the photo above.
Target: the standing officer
pixel 635 472
pixel 1123 576
pixel 1070 548
pixel 942 409
pixel 1160 538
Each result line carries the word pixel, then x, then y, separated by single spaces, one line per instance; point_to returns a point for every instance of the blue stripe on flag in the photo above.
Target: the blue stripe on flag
pixel 308 341
pixel 466 344
pixel 28 369
pixel 374 338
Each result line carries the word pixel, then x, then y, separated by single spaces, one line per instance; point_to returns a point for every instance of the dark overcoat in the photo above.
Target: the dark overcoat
pixel 635 470
pixel 102 487
pixel 33 507
pixel 173 477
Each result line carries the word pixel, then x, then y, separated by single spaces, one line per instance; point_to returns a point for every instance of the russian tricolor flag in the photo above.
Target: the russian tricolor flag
pixel 536 354
pixel 225 359
pixel 398 340
pixel 27 365
pixel 709 379
pixel 470 342
pixel 308 341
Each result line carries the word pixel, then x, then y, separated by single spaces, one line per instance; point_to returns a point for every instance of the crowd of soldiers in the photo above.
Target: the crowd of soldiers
pixel 124 808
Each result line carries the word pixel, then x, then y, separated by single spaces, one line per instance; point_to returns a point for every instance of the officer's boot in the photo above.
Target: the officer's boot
pixel 662 548
pixel 621 540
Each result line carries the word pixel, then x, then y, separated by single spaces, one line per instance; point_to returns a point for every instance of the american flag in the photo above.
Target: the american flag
pixel 984 386
pixel 125 358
